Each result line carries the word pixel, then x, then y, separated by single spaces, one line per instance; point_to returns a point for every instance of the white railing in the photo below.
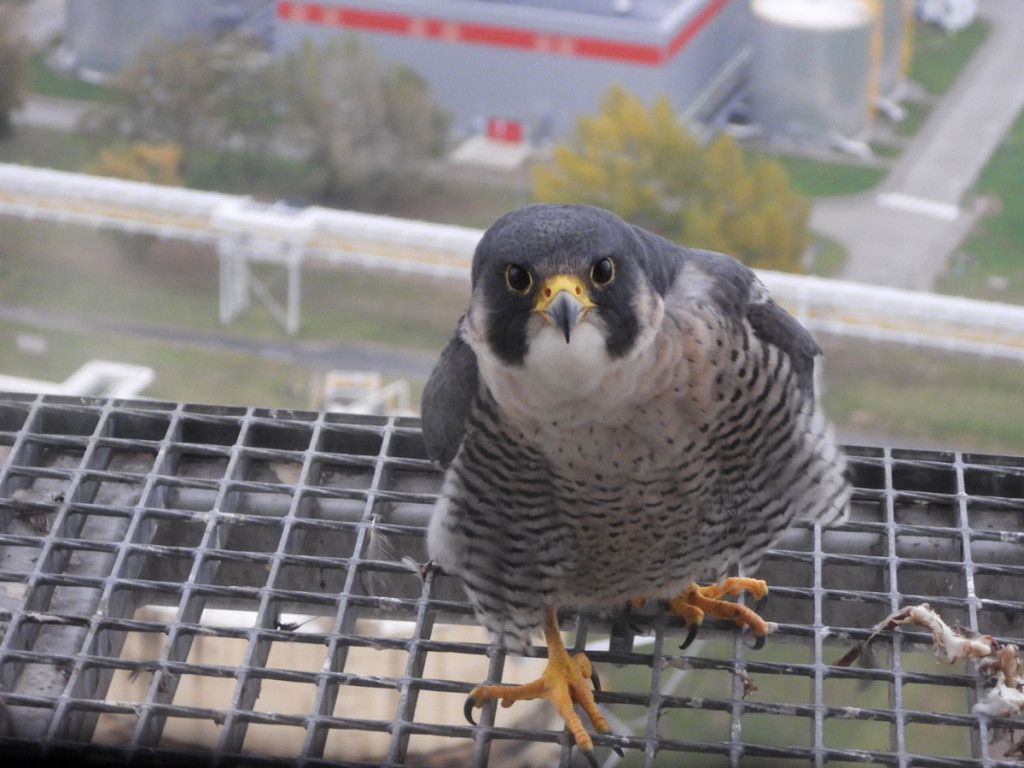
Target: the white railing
pixel 832 306
pixel 174 212
pixel 96 378
pixel 893 314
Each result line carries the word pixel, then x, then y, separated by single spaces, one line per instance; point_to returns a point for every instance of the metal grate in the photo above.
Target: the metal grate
pixel 235 584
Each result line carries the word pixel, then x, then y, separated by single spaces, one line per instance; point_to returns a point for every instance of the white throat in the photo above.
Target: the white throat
pixel 563 382
pixel 568 371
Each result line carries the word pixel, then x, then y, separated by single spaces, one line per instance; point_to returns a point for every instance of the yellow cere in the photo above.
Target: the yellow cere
pixel 558 283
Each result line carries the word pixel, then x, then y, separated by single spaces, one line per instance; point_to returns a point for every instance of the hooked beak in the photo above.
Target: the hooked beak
pixel 562 301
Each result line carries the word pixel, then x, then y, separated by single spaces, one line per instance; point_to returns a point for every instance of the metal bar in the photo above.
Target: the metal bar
pixel 88 681
pixel 224 537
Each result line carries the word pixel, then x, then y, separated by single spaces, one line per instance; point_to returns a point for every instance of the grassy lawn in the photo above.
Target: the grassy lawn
pixel 137 281
pixel 828 257
pixel 916 114
pixel 186 373
pixel 991 265
pixel 46 82
pixel 47 148
pixel 269 178
pixel 86 272
pixel 919 397
pixel 938 56
pixel 705 723
pixel 815 178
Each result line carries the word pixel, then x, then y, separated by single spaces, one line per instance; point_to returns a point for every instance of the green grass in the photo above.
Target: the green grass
pixel 815 178
pixel 708 692
pixel 916 114
pixel 916 396
pixel 885 151
pixel 47 148
pixel 996 247
pixel 190 374
pixel 464 202
pixel 44 81
pixel 268 177
pixel 938 56
pixel 451 200
pixel 135 278
pixel 829 257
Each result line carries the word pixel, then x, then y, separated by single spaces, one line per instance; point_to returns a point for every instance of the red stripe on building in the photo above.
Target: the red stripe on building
pixel 634 53
pixel 489 34
pixel 506 37
pixel 312 13
pixel 375 21
pixel 690 31
pixel 431 27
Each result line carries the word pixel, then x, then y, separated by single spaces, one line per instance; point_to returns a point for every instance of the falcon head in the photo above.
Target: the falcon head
pixel 563 295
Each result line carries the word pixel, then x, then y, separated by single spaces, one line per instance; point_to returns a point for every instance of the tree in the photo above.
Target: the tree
pixel 165 95
pixel 139 161
pixel 369 128
pixel 13 68
pixel 644 165
pixel 365 129
pixel 206 98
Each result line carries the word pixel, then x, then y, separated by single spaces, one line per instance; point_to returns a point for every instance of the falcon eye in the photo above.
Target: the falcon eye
pixel 603 272
pixel 518 279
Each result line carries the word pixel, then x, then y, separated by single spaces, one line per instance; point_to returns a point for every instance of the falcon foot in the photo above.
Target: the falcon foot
pixel 563 683
pixel 696 601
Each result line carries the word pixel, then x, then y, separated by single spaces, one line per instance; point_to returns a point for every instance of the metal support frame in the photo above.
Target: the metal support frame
pixel 238 283
pixel 238 585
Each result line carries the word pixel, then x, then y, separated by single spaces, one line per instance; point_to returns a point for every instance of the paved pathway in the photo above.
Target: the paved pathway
pixel 903 232
pixel 54 113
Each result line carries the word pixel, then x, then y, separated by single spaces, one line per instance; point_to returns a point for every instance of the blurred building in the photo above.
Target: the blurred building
pixel 808 72
pixel 525 69
pixel 816 70
pixel 102 36
pixel 823 68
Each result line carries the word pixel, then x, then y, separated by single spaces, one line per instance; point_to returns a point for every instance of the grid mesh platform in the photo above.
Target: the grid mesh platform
pixel 240 586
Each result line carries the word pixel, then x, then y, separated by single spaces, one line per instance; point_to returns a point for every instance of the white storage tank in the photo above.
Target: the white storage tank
pixel 814 72
pixel 102 36
pixel 896 28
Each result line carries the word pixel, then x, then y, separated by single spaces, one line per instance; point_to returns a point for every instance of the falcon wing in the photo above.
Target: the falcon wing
pixel 776 326
pixel 739 293
pixel 447 399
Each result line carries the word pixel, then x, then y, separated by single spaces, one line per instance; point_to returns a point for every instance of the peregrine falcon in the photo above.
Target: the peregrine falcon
pixel 620 418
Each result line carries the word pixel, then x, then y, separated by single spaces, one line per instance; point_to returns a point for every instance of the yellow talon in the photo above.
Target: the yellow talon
pixel 566 680
pixel 696 601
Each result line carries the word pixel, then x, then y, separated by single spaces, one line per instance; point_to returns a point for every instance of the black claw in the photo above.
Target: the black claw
pixel 758 644
pixel 467 709
pixel 595 680
pixel 691 635
pixel 761 603
pixel 591 758
pixel 618 751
